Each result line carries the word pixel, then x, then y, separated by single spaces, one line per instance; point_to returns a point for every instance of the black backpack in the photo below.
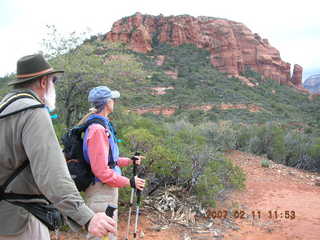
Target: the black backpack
pixel 79 169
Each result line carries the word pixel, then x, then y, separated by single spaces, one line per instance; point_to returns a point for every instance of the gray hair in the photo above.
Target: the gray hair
pixel 28 84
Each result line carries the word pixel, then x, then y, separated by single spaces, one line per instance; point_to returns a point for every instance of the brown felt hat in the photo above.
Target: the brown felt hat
pixel 32 66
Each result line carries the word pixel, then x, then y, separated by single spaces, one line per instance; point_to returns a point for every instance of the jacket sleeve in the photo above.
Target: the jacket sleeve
pixel 124 162
pixel 49 167
pixel 98 151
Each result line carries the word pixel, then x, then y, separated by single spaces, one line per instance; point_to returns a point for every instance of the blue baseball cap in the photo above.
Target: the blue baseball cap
pixel 102 94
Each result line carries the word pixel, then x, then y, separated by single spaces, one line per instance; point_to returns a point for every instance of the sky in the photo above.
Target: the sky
pixel 293 27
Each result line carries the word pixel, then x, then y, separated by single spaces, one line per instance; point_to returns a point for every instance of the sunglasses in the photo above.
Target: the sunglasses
pixel 54 79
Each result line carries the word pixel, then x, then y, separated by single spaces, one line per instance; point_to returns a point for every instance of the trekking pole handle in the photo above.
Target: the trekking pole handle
pixel 109 212
pixel 134 159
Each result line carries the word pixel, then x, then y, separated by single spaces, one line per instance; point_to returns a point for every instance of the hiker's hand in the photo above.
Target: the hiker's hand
pixel 100 224
pixel 137 183
pixel 137 159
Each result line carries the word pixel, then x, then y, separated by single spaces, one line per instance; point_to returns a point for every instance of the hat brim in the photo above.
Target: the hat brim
pixel 115 94
pixel 23 80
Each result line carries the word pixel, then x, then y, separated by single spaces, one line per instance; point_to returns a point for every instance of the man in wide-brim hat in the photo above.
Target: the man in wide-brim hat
pixel 27 133
pixel 35 73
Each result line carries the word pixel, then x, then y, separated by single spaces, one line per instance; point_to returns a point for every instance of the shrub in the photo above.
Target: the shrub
pixel 161 161
pixel 313 152
pixel 276 150
pixel 296 146
pixel 140 140
pixel 256 145
pixel 180 153
pixel 221 136
pixel 265 163
pixel 218 175
pixel 242 138
pixel 286 146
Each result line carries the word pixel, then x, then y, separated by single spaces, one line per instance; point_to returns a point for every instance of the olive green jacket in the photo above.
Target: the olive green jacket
pixel 30 135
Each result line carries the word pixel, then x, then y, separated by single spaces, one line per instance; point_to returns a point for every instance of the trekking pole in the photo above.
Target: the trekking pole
pixel 129 217
pixel 137 214
pixel 134 159
pixel 138 194
pixel 109 212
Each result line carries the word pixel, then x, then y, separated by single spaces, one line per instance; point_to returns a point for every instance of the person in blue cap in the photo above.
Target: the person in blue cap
pixel 101 151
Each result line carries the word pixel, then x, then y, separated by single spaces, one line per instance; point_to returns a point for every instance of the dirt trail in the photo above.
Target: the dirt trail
pixel 277 188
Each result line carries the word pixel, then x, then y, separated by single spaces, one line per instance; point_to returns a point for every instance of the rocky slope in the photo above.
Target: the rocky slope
pixel 233 47
pixel 312 83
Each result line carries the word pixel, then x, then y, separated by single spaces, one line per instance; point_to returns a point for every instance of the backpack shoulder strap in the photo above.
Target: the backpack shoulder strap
pixel 111 163
pixel 95 120
pixel 3 106
pixel 13 98
pixel 16 97
pixel 13 175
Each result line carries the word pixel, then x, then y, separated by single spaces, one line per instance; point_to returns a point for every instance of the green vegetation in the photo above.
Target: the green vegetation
pixel 4 88
pixel 265 163
pixel 178 153
pixel 298 148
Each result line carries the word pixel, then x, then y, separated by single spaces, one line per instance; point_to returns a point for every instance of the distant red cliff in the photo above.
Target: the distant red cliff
pixel 232 45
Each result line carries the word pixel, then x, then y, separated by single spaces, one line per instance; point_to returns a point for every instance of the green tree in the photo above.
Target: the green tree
pixel 140 140
pixel 89 63
pixel 4 88
pixel 82 71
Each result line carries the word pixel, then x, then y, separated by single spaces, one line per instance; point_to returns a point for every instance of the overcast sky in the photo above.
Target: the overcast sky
pixel 293 27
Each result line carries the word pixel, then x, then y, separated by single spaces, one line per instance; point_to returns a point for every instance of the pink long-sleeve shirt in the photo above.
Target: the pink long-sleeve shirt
pixel 98 152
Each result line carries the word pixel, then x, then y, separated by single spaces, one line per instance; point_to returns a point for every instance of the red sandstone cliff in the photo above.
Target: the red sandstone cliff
pixel 297 75
pixel 232 45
